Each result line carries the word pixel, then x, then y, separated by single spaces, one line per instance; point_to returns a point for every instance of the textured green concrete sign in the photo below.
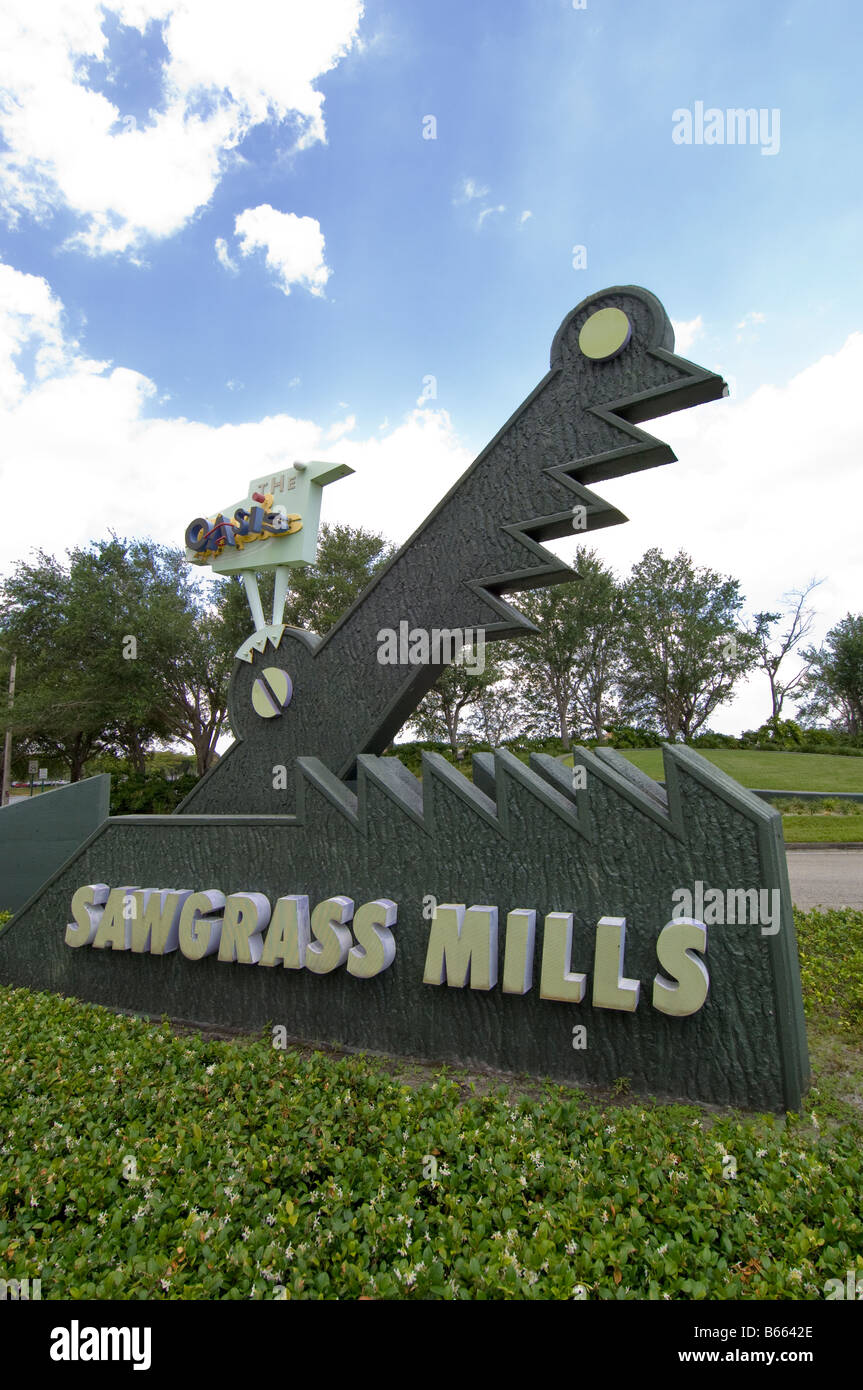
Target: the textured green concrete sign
pixel 580 923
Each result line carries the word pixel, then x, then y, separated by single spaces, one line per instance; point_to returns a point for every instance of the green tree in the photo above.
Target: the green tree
pixel 193 688
pixel 125 645
pixel 570 669
pixel 140 604
pixel 497 713
pixel 834 684
pixel 772 651
pixel 439 714
pixel 348 557
pixel 116 649
pixel 683 648
pixel 59 705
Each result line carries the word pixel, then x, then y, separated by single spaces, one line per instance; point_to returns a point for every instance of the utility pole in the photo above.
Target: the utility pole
pixel 7 752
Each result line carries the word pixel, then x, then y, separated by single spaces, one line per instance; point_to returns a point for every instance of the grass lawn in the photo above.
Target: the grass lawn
pixel 823 829
pixel 782 772
pixel 137 1162
pixel 799 772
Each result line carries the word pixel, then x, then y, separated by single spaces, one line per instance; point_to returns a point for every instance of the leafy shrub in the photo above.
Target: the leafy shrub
pixel 136 1164
pixel 630 736
pixel 149 795
pixel 783 734
pixel 792 738
pixel 816 806
pixel 141 1165
pixel 831 966
pixel 821 738
pixel 410 754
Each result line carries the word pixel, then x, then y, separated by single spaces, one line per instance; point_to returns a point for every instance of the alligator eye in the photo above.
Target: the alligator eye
pixel 272 692
pixel 604 334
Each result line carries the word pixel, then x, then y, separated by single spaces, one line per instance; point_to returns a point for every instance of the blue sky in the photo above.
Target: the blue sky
pixel 170 168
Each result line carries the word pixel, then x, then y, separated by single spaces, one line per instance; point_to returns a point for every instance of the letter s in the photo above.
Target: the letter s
pixel 333 939
pixel 376 948
pixel 685 993
pixel 87 906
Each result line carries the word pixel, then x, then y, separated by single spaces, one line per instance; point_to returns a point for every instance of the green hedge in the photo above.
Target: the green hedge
pixel 137 795
pixel 136 1164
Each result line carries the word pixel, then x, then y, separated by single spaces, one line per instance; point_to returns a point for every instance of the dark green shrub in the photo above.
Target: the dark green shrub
pixel 148 796
pixel 709 739
pixel 631 736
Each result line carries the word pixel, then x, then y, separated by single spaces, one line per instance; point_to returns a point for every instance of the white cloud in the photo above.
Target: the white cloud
pixel 30 316
pixel 223 255
pixel 341 428
pixel 469 189
pixel 686 333
pixel 294 246
pixel 750 320
pixel 766 488
pixel 486 212
pixel 84 433
pixel 226 73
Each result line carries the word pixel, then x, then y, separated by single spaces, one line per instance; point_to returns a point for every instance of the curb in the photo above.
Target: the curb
pixel 825 844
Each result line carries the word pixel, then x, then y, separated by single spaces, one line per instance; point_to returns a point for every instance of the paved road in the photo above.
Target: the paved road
pixel 826 877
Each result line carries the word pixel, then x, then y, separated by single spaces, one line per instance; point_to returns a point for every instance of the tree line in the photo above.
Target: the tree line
pixel 661 651
pixel 123 648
